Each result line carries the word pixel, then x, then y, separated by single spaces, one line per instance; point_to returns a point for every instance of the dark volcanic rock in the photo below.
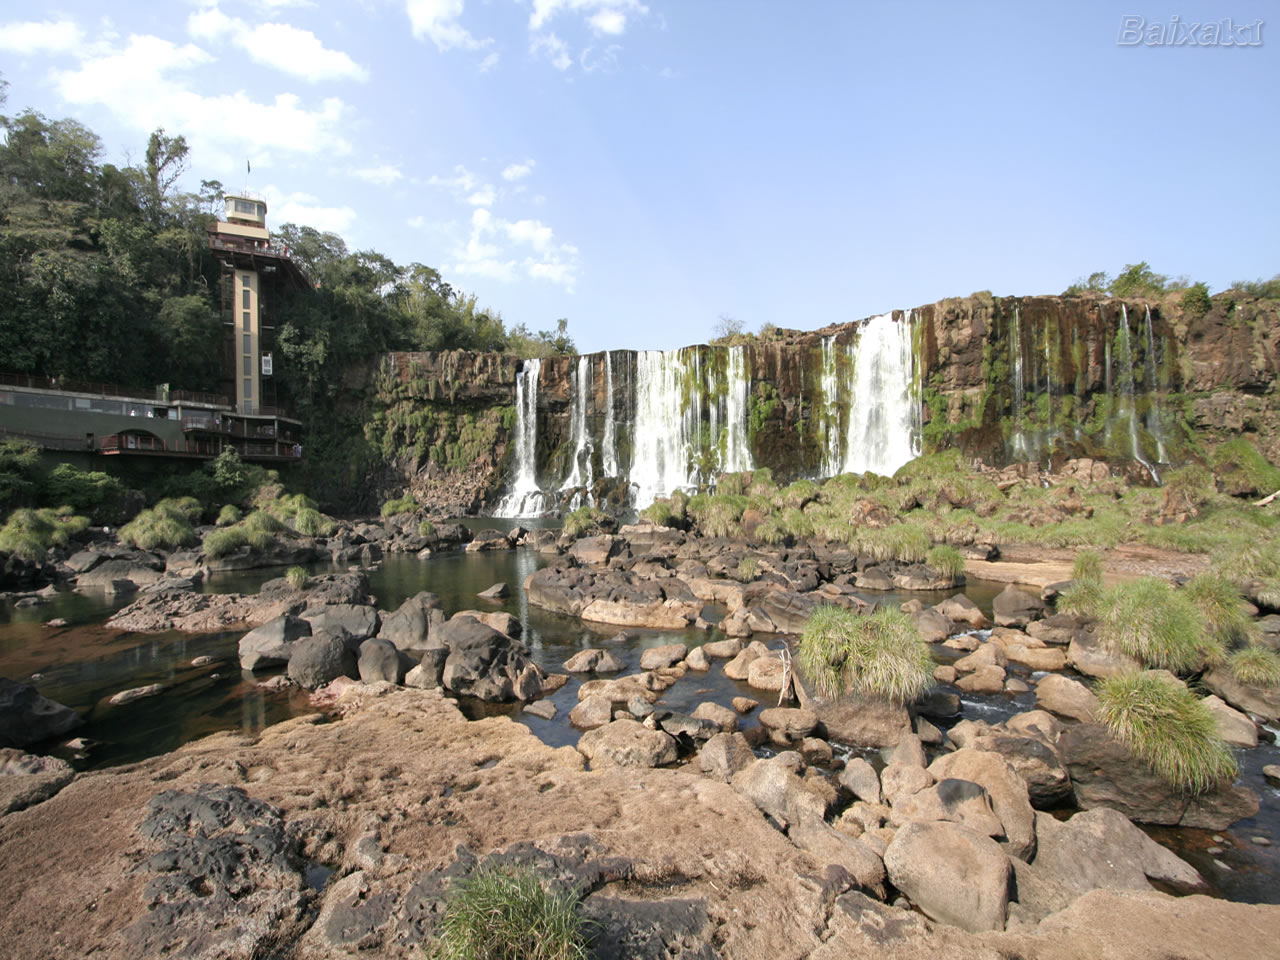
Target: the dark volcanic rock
pixel 27 717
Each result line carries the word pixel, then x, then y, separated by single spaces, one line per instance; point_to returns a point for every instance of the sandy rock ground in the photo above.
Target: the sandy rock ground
pixel 403 789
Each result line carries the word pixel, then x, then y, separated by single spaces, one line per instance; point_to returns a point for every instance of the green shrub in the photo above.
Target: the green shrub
pixel 660 513
pixel 720 518
pixel 771 530
pixel 1158 626
pixel 312 523
pixel 167 526
pixel 747 567
pixel 426 529
pixel 224 541
pixel 796 495
pixel 1255 666
pixel 732 484
pixel 286 506
pixel 1195 300
pixel 910 543
pixel 258 539
pixel 405 504
pixel 1244 469
pixel 228 515
pixel 947 560
pixel 1085 595
pixel 297 577
pixel 85 490
pixel 507 914
pixel 30 533
pixel 1188 488
pixel 261 522
pixel 1226 617
pixel 582 520
pixel 1168 728
pixel 881 655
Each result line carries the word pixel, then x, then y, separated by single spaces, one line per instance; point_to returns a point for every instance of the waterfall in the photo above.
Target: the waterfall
pixel 580 466
pixel 737 455
pixel 1019 390
pixel 526 498
pixel 609 448
pixel 831 462
pixel 661 440
pixel 1155 425
pixel 884 413
pixel 1127 375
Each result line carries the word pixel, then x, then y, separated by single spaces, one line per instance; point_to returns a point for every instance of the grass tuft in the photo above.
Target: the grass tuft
pixel 405 504
pixel 1167 727
pixel 1159 626
pixel 167 525
pixel 228 515
pixel 1226 616
pixel 582 520
pixel 426 529
pixel 507 914
pixel 1255 666
pixel 946 560
pixel 881 655
pixel 297 577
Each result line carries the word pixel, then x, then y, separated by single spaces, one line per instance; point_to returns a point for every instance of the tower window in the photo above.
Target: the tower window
pixel 244 281
pixel 246 320
pixel 248 389
pixel 248 366
pixel 248 347
pixel 244 299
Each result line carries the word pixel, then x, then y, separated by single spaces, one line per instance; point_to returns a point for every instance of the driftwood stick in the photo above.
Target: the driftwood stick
pixel 1265 500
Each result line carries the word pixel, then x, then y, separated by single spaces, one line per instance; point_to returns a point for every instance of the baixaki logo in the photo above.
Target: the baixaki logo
pixel 1135 31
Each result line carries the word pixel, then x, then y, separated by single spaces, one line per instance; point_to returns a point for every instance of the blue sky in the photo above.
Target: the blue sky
pixel 643 167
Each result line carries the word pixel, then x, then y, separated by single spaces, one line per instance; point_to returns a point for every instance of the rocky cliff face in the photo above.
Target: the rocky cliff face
pixel 1002 379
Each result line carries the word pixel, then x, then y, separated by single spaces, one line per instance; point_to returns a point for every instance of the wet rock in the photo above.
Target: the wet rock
pixel 861 779
pixel 682 725
pixel 626 743
pixel 744 704
pixel 1067 698
pixel 544 709
pixel 953 874
pixel 1105 774
pixel 986 679
pixel 740 666
pixel 321 658
pixel 939 705
pixel 724 755
pixel 359 622
pixel 593 661
pixel 1091 656
pixel 595 711
pixel 222 878
pixel 136 693
pixel 427 674
pixel 786 725
pixel 1008 791
pixel 1057 630
pixel 271 644
pixel 697 660
pixel 1272 773
pixel 722 649
pixel 960 609
pixel 487 664
pixel 26 780
pixel 109 574
pixel 656 658
pixel 1016 608
pixel 410 626
pixel 767 673
pixel 26 717
pixel 498 591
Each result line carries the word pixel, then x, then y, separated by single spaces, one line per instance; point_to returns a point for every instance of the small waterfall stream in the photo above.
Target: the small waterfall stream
pixel 1155 422
pixel 580 465
pixel 1127 375
pixel 526 498
pixel 737 455
pixel 884 413
pixel 830 384
pixel 609 446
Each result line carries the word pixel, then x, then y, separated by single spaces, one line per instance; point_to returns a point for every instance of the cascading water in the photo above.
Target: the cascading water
pixel 737 455
pixel 609 446
pixel 831 462
pixel 526 499
pixel 1019 389
pixel 884 413
pixel 660 462
pixel 1155 424
pixel 580 466
pixel 1126 375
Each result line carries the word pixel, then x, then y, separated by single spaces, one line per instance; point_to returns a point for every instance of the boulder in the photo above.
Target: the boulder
pixel 740 666
pixel 955 801
pixel 1263 702
pixel 1035 762
pixel 1233 726
pixel 1008 791
pixel 1057 630
pixel 724 755
pixel 544 709
pixel 873 578
pixel 595 551
pixel 1016 608
pixel 961 609
pixel 744 704
pixel 861 779
pixel 767 673
pixel 786 725
pixel 108 574
pixel 697 660
pixel 426 675
pixel 379 660
pixel 855 720
pixel 986 679
pixel 498 591
pixel 726 720
pixel 271 644
pixel 410 626
pixel 723 649
pixel 500 620
pixel 136 693
pixel 774 787
pixel 321 658
pixel 952 873
pixel 1094 850
pixel 898 781
pixel 1067 698
pixel 816 752
pixel 592 661
pixel 1044 659
pixel 487 664
pixel 987 655
pixel 626 743
pixel 933 626
pixel 1089 655
pixel 656 658
pixel 594 711
pixel 26 717
pixel 357 621
pixel 1105 774
pixel 26 780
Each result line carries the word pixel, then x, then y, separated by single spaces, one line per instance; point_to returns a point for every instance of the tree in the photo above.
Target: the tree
pixel 1138 280
pixel 166 161
pixel 726 327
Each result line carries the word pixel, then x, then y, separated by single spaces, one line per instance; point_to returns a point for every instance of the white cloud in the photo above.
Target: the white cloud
pixel 416 222
pixel 517 171
pixel 508 250
pixel 383 175
pixel 603 16
pixel 305 210
pixel 41 36
pixel 605 60
pixel 483 197
pixel 437 20
pixel 289 49
pixel 461 183
pixel 553 48
pixel 489 62
pixel 143 84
